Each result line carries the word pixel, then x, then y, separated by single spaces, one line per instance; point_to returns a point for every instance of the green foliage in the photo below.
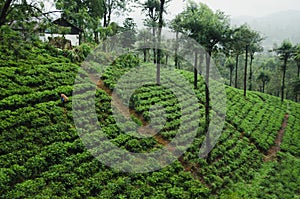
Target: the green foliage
pixel 42 156
pixel 85 14
pixel 205 26
pixel 79 53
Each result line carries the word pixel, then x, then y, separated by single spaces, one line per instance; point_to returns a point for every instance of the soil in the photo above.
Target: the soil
pixel 271 154
pixel 146 129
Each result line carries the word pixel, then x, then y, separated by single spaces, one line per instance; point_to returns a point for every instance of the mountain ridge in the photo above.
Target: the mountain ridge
pixel 276 27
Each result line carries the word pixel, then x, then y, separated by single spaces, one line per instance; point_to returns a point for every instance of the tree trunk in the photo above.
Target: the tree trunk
pixel 236 69
pixel 176 50
pixel 201 58
pixel 160 25
pixel 154 49
pixel 105 15
pixel 207 118
pixel 231 71
pixel 109 15
pixel 145 54
pixel 4 12
pixel 263 87
pixel 167 57
pixel 207 86
pixel 251 72
pixel 298 72
pixel 196 70
pixel 283 80
pixel 245 72
pixel 96 37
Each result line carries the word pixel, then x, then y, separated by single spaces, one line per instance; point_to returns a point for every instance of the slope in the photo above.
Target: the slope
pixel 42 154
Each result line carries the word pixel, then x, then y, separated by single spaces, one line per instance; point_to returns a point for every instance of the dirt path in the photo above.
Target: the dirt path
pixel 127 112
pixel 145 128
pixel 271 154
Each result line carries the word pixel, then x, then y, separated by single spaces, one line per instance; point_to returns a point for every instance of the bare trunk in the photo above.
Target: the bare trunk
pixel 154 49
pixel 105 16
pixel 4 12
pixel 176 50
pixel 80 38
pixel 207 118
pixel 236 70
pixel 207 86
pixel 231 71
pixel 251 72
pixel 108 17
pixel 196 70
pixel 283 80
pixel 201 58
pixel 167 57
pixel 245 72
pixel 145 54
pixel 96 37
pixel 160 25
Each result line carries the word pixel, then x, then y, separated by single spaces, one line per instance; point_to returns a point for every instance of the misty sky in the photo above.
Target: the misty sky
pixel 234 8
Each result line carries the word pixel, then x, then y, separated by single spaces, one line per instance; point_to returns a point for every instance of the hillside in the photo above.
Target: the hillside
pixel 275 27
pixel 42 154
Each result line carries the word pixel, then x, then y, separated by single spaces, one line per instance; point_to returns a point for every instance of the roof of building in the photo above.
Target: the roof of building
pixel 63 22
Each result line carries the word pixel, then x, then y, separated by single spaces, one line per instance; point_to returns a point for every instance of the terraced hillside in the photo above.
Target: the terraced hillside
pixel 42 155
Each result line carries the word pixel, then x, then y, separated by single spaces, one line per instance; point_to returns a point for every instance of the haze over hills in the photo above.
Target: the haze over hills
pixel 275 27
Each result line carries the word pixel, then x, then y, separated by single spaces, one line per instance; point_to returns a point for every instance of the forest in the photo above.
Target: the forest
pixel 192 107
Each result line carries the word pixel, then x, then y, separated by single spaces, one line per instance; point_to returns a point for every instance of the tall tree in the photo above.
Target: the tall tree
pixel 4 11
pixel 237 48
pixel 144 43
pixel 245 40
pixel 175 25
pixel 285 52
pixel 151 9
pixel 245 72
pixel 129 32
pixel 22 12
pixel 85 14
pixel 255 47
pixel 160 26
pixel 207 28
pixel 110 6
pixel 296 89
pixel 297 58
pixel 264 78
pixel 230 64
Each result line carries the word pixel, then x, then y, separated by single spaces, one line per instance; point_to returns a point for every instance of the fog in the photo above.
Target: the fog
pixel 233 8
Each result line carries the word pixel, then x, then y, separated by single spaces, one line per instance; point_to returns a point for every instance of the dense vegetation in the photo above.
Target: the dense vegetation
pixel 48 150
pixel 41 154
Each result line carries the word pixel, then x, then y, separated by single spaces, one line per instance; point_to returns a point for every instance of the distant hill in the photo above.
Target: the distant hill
pixel 276 27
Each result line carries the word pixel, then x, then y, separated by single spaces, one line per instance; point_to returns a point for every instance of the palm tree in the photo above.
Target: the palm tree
pixel 285 52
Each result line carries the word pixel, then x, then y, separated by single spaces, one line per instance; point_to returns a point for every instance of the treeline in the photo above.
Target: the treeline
pixel 233 48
